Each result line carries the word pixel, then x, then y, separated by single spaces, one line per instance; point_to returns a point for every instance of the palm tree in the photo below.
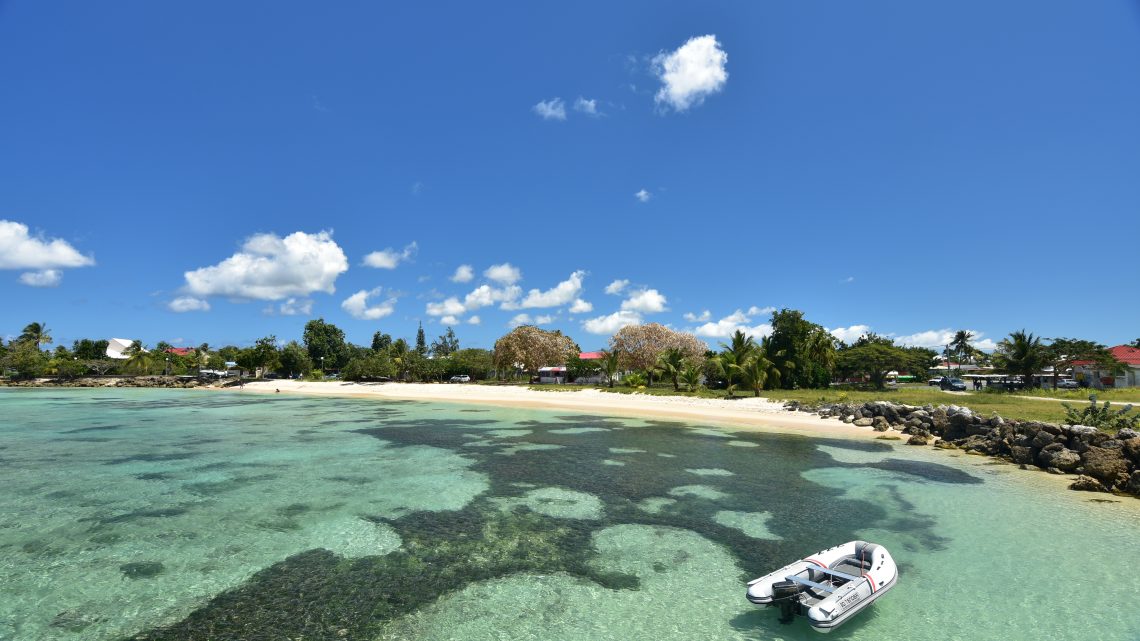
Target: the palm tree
pixel 36 333
pixel 741 345
pixel 961 346
pixel 820 348
pixel 671 362
pixel 1021 353
pixel 726 364
pixel 692 377
pixel 138 358
pixel 611 365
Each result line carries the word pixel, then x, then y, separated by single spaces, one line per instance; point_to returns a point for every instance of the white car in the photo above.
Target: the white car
pixel 462 378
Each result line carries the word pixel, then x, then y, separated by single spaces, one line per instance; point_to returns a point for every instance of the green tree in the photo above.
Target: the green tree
pixel 1063 352
pixel 474 362
pixel 754 372
pixel 25 359
pixel 380 342
pixel 962 347
pixel 294 360
pixel 875 360
pixel 325 344
pixel 421 341
pixel 37 333
pixel 821 349
pixel 88 350
pixel 445 345
pixel 671 363
pixel 139 359
pixel 265 356
pixel 376 366
pixel 1021 353
pixel 611 365
pixel 727 367
pixel 789 345
pixel 691 375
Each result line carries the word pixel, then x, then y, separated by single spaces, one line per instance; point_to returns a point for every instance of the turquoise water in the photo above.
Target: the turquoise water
pixel 157 514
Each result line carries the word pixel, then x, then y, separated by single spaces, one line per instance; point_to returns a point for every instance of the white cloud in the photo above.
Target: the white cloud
pixel 643 196
pixel 463 274
pixel 760 311
pixel 617 287
pixel 606 325
pixel 485 295
pixel 649 301
pixel 188 304
pixel 560 294
pixel 726 326
pixel 507 274
pixel 520 319
pixel 450 320
pixel 588 107
pixel 42 278
pixel 474 320
pixel 850 334
pixel 545 319
pixel 581 307
pixel 692 72
pixel 939 338
pixel 697 318
pixel 19 250
pixel 389 258
pixel 447 307
pixel 296 307
pixel 553 109
pixel 849 279
pixel 271 268
pixel 357 305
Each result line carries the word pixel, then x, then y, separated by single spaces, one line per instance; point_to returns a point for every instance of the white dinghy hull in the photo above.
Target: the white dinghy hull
pixel 829 587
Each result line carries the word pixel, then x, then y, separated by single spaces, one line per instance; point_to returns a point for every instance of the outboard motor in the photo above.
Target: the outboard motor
pixel 786 595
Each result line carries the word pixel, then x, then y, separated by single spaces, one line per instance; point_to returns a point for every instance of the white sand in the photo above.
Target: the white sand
pixel 744 413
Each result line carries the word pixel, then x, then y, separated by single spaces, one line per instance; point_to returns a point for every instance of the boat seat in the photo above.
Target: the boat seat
pixel 810 584
pixel 842 575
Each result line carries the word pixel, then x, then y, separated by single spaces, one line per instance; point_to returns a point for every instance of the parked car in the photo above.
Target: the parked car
pixel 955 384
pixel 936 381
pixel 1068 384
pixel 461 378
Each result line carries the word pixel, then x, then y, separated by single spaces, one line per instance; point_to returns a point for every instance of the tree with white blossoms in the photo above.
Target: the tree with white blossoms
pixel 640 346
pixel 528 348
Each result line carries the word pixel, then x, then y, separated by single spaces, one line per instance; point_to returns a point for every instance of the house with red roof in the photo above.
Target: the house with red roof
pixel 1130 356
pixel 181 351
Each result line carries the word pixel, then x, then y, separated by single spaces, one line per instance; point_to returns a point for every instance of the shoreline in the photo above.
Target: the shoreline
pixel 747 413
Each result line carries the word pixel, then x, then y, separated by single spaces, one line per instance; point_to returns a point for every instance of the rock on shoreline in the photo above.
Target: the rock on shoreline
pixel 1103 462
pixel 125 381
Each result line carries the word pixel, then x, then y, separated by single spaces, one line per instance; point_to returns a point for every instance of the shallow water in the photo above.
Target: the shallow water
pixel 193 515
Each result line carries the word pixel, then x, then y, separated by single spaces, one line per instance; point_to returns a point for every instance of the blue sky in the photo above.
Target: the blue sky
pixel 904 167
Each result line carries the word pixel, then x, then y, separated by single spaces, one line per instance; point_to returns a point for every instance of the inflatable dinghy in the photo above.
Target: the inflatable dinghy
pixel 828 587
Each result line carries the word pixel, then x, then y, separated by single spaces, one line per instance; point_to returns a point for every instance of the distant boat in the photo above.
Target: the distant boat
pixel 829 587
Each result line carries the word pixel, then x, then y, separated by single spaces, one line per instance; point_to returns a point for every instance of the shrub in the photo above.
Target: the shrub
pixel 1102 417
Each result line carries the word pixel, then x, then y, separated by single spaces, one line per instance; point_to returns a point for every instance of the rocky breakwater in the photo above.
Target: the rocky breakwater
pixel 1101 461
pixel 127 381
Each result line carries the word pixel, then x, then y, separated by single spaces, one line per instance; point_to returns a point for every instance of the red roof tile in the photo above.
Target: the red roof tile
pixel 1123 353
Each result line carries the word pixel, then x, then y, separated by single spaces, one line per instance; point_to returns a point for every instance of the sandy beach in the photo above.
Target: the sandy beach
pixel 744 413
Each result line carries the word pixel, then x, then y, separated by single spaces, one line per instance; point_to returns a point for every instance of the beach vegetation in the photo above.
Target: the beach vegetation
pixel 381 342
pixel 140 360
pixel 421 341
pixel 635 380
pixel 24 359
pixel 325 344
pixel 294 360
pixel 36 333
pixel 1021 353
pixel 375 367
pixel 691 376
pixel 1102 416
pixel 802 351
pixel 445 345
pixel 671 363
pixel 611 366
pixel 640 346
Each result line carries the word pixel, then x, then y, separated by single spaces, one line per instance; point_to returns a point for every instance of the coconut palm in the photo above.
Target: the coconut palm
pixel 1021 353
pixel 36 333
pixel 741 345
pixel 820 348
pixel 692 377
pixel 962 347
pixel 611 365
pixel 138 358
pixel 726 364
pixel 671 363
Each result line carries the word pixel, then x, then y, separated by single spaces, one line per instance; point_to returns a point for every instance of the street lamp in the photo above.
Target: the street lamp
pixel 322 366
pixel 166 371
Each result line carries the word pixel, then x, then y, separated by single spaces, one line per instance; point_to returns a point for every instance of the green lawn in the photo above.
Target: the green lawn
pixel 1007 405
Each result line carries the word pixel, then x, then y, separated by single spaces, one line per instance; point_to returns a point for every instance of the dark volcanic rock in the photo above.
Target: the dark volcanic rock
pixel 1087 484
pixel 1105 465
